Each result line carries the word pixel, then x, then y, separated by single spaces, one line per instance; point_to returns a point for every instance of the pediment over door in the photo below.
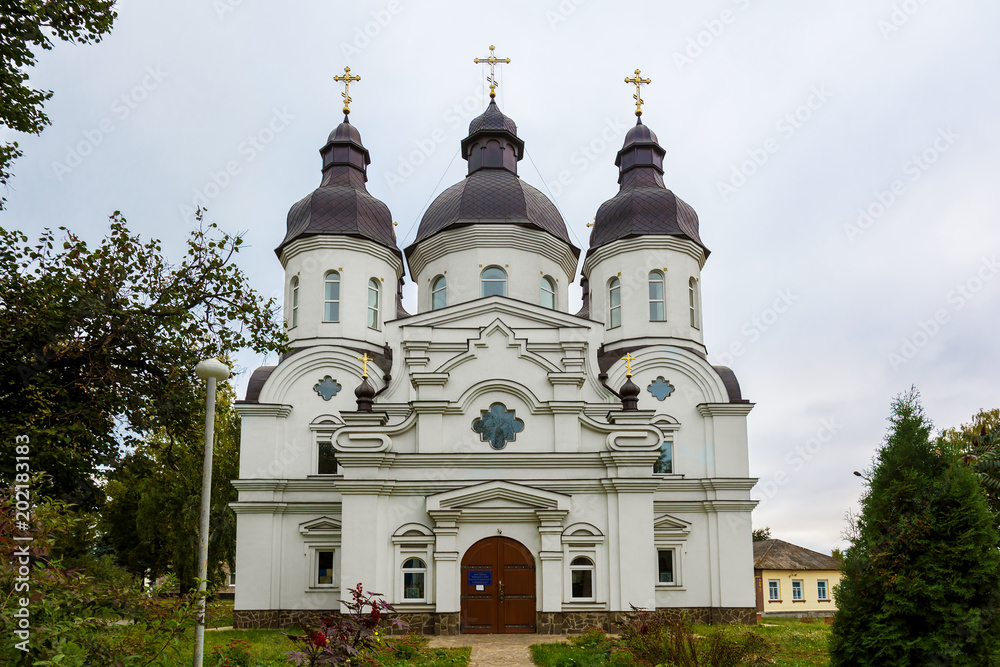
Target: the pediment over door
pixel 498 501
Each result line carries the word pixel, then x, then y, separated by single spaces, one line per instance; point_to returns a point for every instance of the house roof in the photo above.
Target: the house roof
pixel 781 555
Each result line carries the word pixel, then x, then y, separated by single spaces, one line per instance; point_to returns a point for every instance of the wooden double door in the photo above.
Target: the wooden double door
pixel 498 587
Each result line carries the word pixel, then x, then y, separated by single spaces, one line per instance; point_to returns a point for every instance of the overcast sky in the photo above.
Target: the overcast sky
pixel 783 121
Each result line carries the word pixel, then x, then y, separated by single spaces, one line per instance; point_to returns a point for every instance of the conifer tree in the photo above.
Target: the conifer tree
pixel 921 577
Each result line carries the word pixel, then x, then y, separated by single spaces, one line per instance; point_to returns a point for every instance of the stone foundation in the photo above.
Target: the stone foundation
pixel 574 622
pixel 547 622
pixel 428 623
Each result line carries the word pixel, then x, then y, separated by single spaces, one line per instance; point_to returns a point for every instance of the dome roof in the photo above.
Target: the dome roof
pixel 643 205
pixel 492 196
pixel 492 193
pixel 492 119
pixel 341 205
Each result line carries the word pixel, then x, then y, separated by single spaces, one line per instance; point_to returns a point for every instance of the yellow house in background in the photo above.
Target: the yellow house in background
pixel 793 581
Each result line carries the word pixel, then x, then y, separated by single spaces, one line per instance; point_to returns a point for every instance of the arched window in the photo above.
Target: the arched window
pixel 548 293
pixel 693 301
pixel 331 297
pixel 581 572
pixel 439 293
pixel 414 579
pixel 295 301
pixel 493 281
pixel 615 299
pixel 657 305
pixel 374 289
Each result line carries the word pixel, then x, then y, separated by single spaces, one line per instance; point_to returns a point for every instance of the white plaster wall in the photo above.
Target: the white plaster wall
pixel 462 269
pixel 357 261
pixel 632 263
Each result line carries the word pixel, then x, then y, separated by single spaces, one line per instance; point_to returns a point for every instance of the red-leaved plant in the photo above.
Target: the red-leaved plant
pixel 338 639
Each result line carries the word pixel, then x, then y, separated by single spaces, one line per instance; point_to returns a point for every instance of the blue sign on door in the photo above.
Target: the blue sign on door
pixel 480 577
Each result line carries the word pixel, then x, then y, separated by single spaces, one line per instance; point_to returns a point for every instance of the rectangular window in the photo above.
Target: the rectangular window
pixel 327 464
pixel 773 591
pixel 822 592
pixel 413 585
pixel 797 591
pixel 331 302
pixel 232 578
pixel 665 464
pixel 656 313
pixel 324 568
pixel 616 304
pixel 665 566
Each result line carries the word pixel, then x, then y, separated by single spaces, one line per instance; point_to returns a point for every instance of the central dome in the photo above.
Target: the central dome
pixel 492 193
pixel 492 196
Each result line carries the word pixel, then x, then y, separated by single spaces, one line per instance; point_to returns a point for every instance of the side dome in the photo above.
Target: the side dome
pixel 342 205
pixel 643 205
pixel 492 192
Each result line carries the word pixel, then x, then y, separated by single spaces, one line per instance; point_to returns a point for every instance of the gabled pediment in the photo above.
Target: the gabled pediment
pixel 497 335
pixel 498 496
pixel 670 526
pixel 324 526
pixel 519 313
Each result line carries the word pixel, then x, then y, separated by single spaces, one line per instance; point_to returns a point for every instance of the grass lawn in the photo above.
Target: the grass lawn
pixel 267 649
pixel 798 645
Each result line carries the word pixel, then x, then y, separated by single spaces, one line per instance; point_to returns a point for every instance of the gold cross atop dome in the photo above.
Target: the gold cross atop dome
pixel 347 79
pixel 364 359
pixel 492 61
pixel 628 359
pixel 638 81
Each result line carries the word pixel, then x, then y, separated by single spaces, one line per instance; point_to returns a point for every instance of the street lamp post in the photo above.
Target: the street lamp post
pixel 213 371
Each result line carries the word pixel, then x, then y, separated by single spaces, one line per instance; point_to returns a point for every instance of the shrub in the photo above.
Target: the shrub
pixel 77 620
pixel 663 639
pixel 236 654
pixel 341 638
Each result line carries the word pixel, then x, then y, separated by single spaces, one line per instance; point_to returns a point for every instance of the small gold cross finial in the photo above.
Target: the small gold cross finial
pixel 364 359
pixel 492 61
pixel 628 359
pixel 347 79
pixel 638 81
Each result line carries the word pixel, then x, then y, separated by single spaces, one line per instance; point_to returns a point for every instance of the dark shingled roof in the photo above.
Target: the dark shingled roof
pixel 780 555
pixel 643 205
pixel 341 205
pixel 492 119
pixel 491 196
pixel 492 192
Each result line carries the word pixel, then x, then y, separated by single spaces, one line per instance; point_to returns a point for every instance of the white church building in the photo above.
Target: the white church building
pixel 494 463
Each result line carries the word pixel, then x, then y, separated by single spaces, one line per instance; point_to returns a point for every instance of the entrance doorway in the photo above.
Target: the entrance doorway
pixel 498 587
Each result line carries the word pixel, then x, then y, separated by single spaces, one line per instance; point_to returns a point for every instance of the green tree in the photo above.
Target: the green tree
pixel 28 25
pixel 920 577
pixel 98 345
pixel 761 534
pixel 150 520
pixel 978 443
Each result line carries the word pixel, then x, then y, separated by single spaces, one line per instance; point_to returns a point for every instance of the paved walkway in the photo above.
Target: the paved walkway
pixel 490 650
